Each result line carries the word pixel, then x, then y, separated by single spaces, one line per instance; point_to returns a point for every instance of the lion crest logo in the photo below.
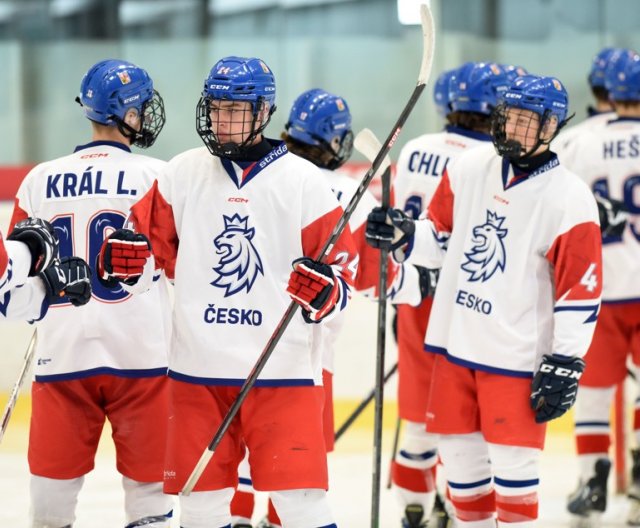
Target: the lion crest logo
pixel 239 263
pixel 487 254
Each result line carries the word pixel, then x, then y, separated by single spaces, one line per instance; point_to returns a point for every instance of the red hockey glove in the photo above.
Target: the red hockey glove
pixel 122 257
pixel 314 287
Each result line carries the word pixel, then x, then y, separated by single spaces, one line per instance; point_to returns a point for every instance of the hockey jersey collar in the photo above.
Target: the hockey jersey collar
pixel 115 144
pixel 624 119
pixel 243 171
pixel 472 134
pixel 544 163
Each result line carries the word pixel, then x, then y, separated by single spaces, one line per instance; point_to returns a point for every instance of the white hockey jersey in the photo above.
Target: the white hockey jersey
pixel 422 162
pixel 227 233
pixel 521 276
pixel 607 158
pixel 563 145
pixel 86 196
pixel 15 262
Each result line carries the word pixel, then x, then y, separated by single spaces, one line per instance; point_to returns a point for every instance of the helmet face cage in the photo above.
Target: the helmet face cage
pixel 208 120
pixel 152 120
pixel 319 118
pixel 235 80
pixel 545 97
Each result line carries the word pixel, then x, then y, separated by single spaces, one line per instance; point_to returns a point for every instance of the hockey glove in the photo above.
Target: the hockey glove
pixel 70 277
pixel 388 228
pixel 428 281
pixel 40 238
pixel 122 258
pixel 313 286
pixel 613 216
pixel 555 386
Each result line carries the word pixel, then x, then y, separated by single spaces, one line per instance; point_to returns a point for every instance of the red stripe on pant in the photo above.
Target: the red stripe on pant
pixel 592 443
pixel 474 507
pixel 242 504
pixel 517 508
pixel 413 479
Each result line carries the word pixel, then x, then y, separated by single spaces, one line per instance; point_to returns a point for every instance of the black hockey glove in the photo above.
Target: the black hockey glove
pixel 388 228
pixel 122 258
pixel 613 216
pixel 40 238
pixel 428 281
pixel 314 287
pixel 555 386
pixel 71 278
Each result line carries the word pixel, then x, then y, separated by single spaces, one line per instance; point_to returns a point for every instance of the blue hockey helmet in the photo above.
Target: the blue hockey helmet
pixel 477 87
pixel 322 119
pixel 622 76
pixel 238 79
pixel 441 92
pixel 111 88
pixel 513 71
pixel 599 65
pixel 545 96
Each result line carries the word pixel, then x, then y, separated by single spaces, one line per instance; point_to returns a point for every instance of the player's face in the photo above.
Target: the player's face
pixel 231 120
pixel 522 126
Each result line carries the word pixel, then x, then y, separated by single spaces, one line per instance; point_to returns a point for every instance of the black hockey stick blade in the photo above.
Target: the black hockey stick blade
pixel 425 69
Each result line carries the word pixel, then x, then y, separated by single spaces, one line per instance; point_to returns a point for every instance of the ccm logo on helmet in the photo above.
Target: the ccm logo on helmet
pixel 237 199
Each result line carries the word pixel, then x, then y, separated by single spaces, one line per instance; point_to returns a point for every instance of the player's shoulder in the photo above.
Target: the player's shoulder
pixel 190 156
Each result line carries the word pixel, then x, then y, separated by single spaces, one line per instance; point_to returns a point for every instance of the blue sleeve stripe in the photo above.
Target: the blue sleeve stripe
pixel 592 424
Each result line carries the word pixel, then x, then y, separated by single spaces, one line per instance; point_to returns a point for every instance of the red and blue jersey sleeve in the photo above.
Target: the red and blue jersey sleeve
pixel 576 258
pixel 153 217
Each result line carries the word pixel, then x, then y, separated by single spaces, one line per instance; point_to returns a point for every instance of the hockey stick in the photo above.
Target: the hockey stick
pixel 368 145
pixel 361 406
pixel 425 68
pixel 28 358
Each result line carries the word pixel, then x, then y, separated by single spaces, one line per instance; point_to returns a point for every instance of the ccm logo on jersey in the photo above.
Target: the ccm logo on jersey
pixel 95 155
pixel 237 199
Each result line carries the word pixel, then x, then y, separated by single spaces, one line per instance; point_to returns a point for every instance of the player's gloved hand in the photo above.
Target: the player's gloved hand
pixel 122 257
pixel 555 386
pixel 388 228
pixel 40 238
pixel 613 216
pixel 313 286
pixel 69 277
pixel 428 281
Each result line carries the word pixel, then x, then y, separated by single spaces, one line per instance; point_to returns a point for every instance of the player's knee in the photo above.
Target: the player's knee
pixel 303 508
pixel 53 501
pixel 144 502
pixel 206 509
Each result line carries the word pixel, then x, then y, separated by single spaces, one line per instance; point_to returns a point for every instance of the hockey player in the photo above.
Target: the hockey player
pixel 93 364
pixel 517 299
pixel 472 94
pixel 596 115
pixel 228 221
pixel 32 275
pixel 606 157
